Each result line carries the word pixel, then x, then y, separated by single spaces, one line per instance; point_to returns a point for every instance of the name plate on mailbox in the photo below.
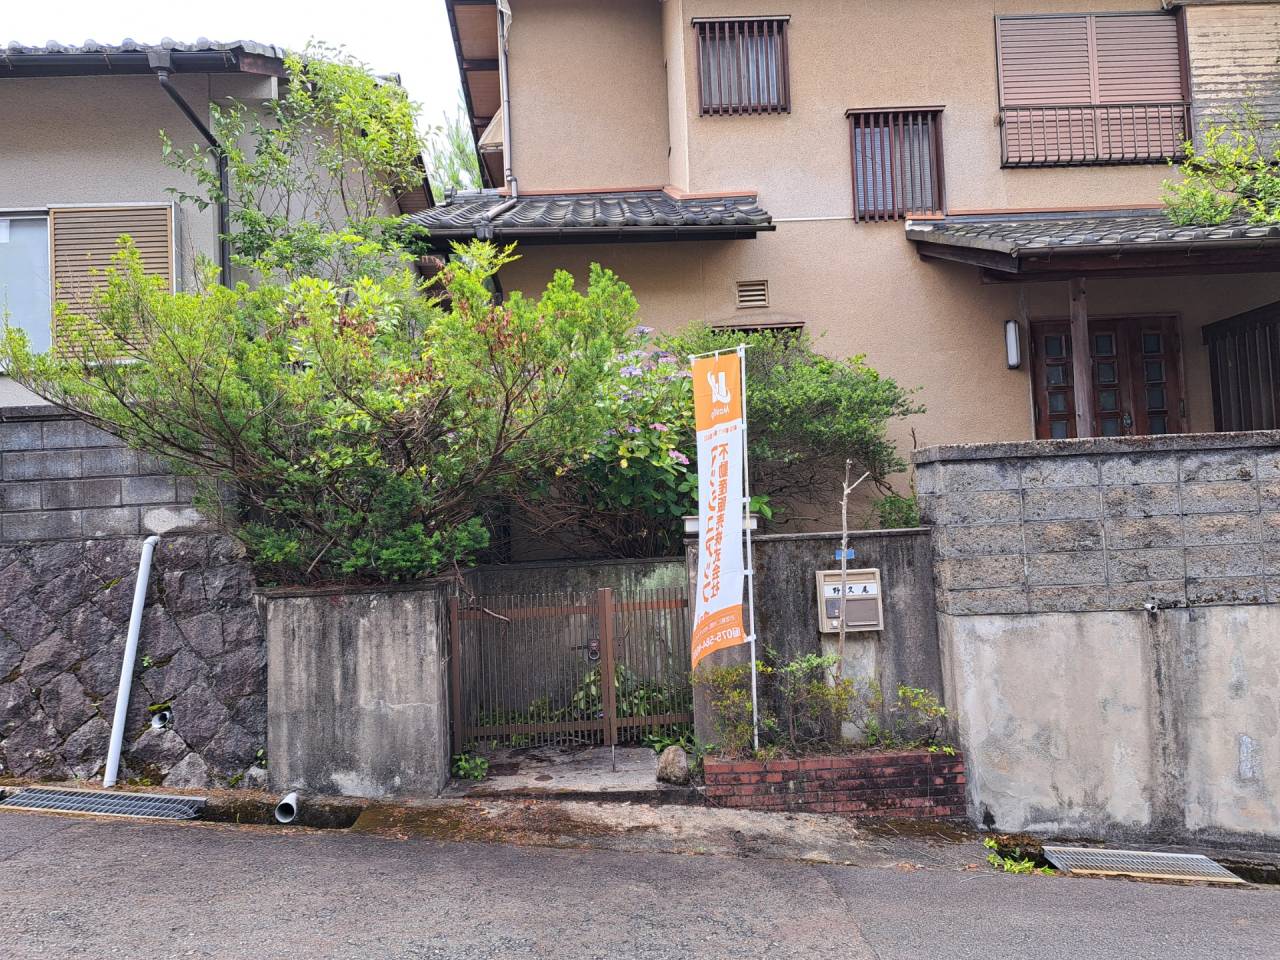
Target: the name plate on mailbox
pixel 863 600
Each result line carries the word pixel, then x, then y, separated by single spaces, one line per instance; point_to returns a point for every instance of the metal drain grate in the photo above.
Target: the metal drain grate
pixel 1136 863
pixel 105 803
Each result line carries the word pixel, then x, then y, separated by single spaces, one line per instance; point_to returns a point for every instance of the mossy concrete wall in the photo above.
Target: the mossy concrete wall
pixel 357 695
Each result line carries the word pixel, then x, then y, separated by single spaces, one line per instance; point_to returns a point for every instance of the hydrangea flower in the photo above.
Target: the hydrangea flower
pixel 679 458
pixel 631 370
pixel 632 428
pixel 660 427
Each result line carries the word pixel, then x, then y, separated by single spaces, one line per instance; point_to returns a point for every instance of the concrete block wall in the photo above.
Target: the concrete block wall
pixel 75 506
pixel 1108 614
pixel 1106 524
pixel 61 479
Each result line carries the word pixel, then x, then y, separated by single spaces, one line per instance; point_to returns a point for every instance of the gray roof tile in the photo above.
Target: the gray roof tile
pixel 128 45
pixel 1018 234
pixel 637 214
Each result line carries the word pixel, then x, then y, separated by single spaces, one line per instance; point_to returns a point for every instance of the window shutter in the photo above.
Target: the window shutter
pixel 1138 59
pixel 1044 60
pixel 1090 89
pixel 897 163
pixel 83 241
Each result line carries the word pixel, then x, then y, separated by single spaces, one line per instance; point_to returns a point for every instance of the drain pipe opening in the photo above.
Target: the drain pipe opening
pixel 161 719
pixel 287 808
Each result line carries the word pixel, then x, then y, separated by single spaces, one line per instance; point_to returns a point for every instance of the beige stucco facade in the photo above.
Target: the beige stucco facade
pixel 598 97
pixel 96 141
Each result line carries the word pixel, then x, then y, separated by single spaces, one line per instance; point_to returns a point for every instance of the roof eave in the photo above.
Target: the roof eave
pixel 135 63
pixel 442 238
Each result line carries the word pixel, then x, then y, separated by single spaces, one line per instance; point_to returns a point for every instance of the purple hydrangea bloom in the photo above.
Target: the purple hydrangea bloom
pixel 632 428
pixel 679 458
pixel 660 427
pixel 631 371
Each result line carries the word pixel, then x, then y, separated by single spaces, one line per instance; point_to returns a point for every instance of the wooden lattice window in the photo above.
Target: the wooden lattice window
pixel 897 163
pixel 742 66
pixel 1244 370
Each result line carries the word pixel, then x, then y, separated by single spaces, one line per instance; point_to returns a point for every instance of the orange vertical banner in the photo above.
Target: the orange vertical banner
pixel 717 404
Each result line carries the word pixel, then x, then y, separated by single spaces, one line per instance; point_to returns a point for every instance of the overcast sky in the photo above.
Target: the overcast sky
pixel 408 37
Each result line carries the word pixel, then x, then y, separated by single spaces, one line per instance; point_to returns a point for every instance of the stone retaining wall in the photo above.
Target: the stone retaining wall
pixel 74 508
pixel 913 783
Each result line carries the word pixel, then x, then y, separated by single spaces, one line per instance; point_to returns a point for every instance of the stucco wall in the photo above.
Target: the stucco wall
pixel 846 55
pixel 96 140
pixel 860 289
pixel 588 94
pixel 1108 613
pixel 1121 723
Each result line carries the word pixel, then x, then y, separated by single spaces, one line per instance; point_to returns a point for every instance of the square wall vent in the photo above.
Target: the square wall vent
pixel 753 293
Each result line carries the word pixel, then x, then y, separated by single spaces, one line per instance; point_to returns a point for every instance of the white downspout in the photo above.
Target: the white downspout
pixel 504 27
pixel 126 669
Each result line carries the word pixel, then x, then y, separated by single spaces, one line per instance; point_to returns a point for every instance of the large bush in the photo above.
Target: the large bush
pixel 361 426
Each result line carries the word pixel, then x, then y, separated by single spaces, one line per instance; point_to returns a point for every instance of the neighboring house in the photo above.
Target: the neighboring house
pixel 81 164
pixel 960 191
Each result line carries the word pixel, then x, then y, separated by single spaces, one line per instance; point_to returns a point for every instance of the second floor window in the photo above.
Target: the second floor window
pixel 897 163
pixel 742 66
pixel 1091 88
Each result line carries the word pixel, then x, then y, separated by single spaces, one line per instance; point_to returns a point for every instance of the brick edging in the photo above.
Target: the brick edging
pixel 914 783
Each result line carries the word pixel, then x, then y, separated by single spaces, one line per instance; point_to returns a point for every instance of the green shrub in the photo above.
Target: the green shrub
pixel 805 706
pixel 1230 174
pixel 913 717
pixel 805 412
pixel 728 691
pixel 470 766
pixel 895 512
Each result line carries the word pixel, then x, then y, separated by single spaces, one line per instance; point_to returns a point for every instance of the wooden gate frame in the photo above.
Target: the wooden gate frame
pixel 606 609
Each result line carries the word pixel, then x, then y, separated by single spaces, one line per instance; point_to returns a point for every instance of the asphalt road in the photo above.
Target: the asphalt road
pixel 132 889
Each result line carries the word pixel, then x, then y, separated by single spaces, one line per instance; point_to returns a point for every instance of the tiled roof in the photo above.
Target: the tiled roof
pixel 202 45
pixel 1019 234
pixel 130 58
pixel 632 215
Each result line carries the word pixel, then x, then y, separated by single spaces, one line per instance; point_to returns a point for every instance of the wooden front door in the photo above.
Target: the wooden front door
pixel 1137 387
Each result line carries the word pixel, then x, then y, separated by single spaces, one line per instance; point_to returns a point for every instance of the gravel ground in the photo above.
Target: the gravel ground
pixel 73 887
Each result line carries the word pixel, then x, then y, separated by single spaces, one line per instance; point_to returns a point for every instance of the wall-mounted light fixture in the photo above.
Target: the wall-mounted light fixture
pixel 1013 344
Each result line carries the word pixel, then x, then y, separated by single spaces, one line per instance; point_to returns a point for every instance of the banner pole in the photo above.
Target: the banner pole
pixel 750 572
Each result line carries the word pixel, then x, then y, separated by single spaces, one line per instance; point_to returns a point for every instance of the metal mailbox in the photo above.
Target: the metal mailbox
pixel 863 600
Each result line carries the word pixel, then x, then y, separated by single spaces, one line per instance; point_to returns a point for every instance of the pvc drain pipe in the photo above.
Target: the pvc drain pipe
pixel 126 668
pixel 287 808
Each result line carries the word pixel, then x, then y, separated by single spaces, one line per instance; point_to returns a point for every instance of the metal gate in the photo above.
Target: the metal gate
pixel 528 670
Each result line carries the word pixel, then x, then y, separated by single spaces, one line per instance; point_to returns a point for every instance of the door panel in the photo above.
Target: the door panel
pixel 1137 389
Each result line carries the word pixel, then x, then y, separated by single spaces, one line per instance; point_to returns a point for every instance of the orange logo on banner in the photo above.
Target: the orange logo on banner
pixel 717 390
pixel 717 400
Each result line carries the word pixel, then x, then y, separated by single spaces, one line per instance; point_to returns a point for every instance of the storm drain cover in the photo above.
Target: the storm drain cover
pixel 1135 863
pixel 105 803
